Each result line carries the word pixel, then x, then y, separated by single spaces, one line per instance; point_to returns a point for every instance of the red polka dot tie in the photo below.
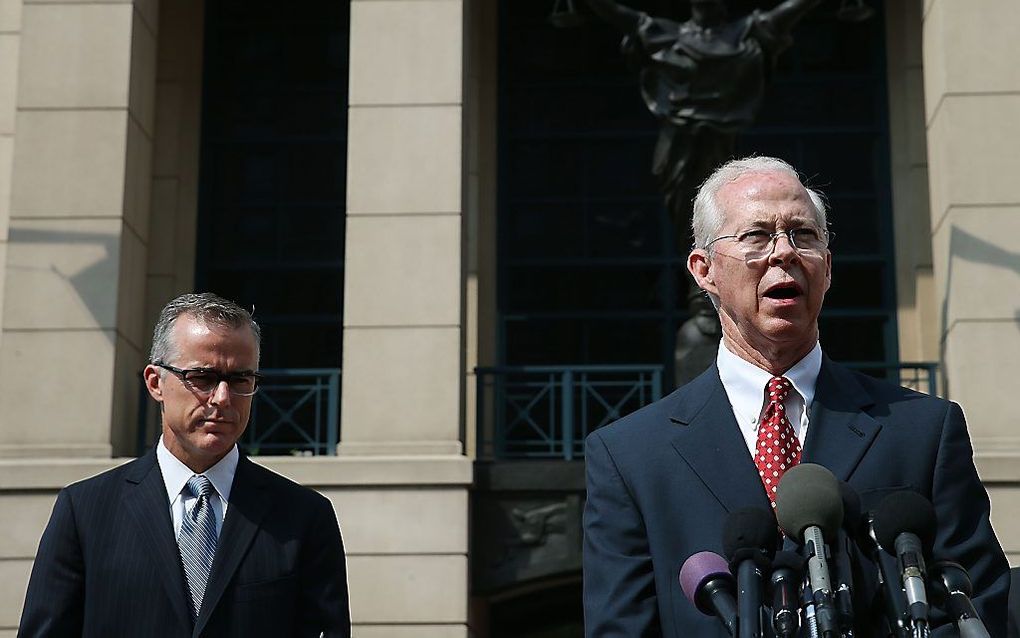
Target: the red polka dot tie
pixel 778 448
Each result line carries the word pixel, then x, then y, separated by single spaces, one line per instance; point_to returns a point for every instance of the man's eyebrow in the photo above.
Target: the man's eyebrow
pixel 793 222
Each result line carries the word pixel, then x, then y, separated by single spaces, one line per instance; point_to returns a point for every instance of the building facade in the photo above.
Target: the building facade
pixel 110 159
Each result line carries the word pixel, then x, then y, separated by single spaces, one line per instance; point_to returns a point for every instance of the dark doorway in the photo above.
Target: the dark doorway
pixel 552 610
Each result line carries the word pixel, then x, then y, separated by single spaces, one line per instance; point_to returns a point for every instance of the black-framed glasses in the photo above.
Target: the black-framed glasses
pixel 758 243
pixel 206 380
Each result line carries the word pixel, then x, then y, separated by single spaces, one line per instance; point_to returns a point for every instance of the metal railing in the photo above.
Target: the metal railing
pixel 296 411
pixel 534 412
pixel 544 412
pixel 919 375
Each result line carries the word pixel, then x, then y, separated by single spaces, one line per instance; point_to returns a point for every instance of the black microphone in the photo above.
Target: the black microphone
pixel 894 601
pixel 842 566
pixel 750 538
pixel 787 574
pixel 707 582
pixel 905 527
pixel 951 589
pixel 810 510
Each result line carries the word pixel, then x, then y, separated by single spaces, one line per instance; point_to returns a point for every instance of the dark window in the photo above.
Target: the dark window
pixel 588 269
pixel 273 171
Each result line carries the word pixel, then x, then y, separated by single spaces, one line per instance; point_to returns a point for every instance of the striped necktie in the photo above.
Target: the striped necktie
pixel 197 541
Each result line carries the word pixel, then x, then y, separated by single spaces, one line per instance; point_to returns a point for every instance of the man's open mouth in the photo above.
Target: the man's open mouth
pixel 787 290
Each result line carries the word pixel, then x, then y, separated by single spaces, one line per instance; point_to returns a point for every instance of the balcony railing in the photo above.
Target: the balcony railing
pixel 544 412
pixel 296 411
pixel 535 412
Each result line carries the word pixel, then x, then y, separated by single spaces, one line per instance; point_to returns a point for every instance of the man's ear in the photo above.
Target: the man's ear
pixel 700 267
pixel 152 380
pixel 828 270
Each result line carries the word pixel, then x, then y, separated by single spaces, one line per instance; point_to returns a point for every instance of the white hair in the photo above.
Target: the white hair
pixel 708 218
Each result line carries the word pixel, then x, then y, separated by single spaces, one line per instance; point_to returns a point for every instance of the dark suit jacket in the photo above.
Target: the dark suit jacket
pixel 108 563
pixel 662 480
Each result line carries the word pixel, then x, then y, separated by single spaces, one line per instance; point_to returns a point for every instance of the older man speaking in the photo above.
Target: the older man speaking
pixel 662 480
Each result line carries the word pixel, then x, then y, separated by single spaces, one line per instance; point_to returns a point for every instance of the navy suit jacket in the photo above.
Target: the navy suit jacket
pixel 108 563
pixel 662 480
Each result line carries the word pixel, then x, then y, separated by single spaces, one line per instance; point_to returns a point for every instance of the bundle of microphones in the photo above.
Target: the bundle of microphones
pixel 762 592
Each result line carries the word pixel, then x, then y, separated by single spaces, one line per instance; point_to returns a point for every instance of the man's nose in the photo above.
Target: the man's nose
pixel 783 249
pixel 220 394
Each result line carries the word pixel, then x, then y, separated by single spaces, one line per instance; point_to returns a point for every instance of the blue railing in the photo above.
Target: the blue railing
pixel 544 412
pixel 534 412
pixel 921 375
pixel 296 411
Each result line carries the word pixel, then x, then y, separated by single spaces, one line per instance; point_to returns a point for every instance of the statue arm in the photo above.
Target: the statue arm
pixel 618 15
pixel 786 16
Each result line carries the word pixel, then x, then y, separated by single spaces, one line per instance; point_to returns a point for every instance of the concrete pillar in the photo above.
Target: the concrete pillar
pixel 174 205
pixel 75 262
pixel 403 287
pixel 404 326
pixel 972 98
pixel 10 39
pixel 917 333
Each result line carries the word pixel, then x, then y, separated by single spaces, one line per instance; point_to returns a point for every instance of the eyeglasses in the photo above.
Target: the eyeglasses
pixel 206 380
pixel 755 244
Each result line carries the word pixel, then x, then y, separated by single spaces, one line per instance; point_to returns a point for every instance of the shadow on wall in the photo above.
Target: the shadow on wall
pixel 965 246
pixel 70 264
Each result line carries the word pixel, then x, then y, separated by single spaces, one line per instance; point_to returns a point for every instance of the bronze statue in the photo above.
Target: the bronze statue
pixel 697 340
pixel 704 80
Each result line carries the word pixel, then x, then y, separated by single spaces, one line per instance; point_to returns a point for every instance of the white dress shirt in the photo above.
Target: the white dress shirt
pixel 745 385
pixel 176 475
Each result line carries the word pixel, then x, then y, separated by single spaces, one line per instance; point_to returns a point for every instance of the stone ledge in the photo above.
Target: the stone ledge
pixel 321 471
pixel 999 467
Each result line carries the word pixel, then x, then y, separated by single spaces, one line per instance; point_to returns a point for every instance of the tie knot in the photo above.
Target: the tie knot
pixel 778 388
pixel 200 486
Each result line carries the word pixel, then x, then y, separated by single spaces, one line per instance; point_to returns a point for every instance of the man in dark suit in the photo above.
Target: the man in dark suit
pixel 662 480
pixel 192 539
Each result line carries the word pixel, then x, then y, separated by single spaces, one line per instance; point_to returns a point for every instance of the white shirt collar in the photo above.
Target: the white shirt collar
pixel 176 473
pixel 747 381
pixel 745 385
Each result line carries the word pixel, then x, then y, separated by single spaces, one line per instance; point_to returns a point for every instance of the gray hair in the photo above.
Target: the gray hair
pixel 206 306
pixel 708 218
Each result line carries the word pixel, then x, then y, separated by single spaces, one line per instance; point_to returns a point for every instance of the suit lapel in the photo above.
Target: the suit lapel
pixel 146 500
pixel 710 442
pixel 246 509
pixel 840 432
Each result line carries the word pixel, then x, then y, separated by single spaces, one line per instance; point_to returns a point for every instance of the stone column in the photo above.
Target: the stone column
pixel 10 38
pixel 972 102
pixel 403 288
pixel 918 334
pixel 74 278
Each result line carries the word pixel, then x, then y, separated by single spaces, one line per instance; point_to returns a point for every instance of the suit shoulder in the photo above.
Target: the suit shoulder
pixel 103 480
pixel 291 490
pixel 644 425
pixel 891 402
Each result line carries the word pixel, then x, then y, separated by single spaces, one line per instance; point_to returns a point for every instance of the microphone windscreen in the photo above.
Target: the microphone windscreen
pixel 789 560
pixel 853 516
pixel 699 568
pixel 905 511
pixel 749 532
pixel 808 495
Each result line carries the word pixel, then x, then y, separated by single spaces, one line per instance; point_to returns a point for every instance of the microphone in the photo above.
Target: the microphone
pixel 951 588
pixel 706 581
pixel 905 527
pixel 895 604
pixel 842 568
pixel 810 510
pixel 787 574
pixel 750 538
